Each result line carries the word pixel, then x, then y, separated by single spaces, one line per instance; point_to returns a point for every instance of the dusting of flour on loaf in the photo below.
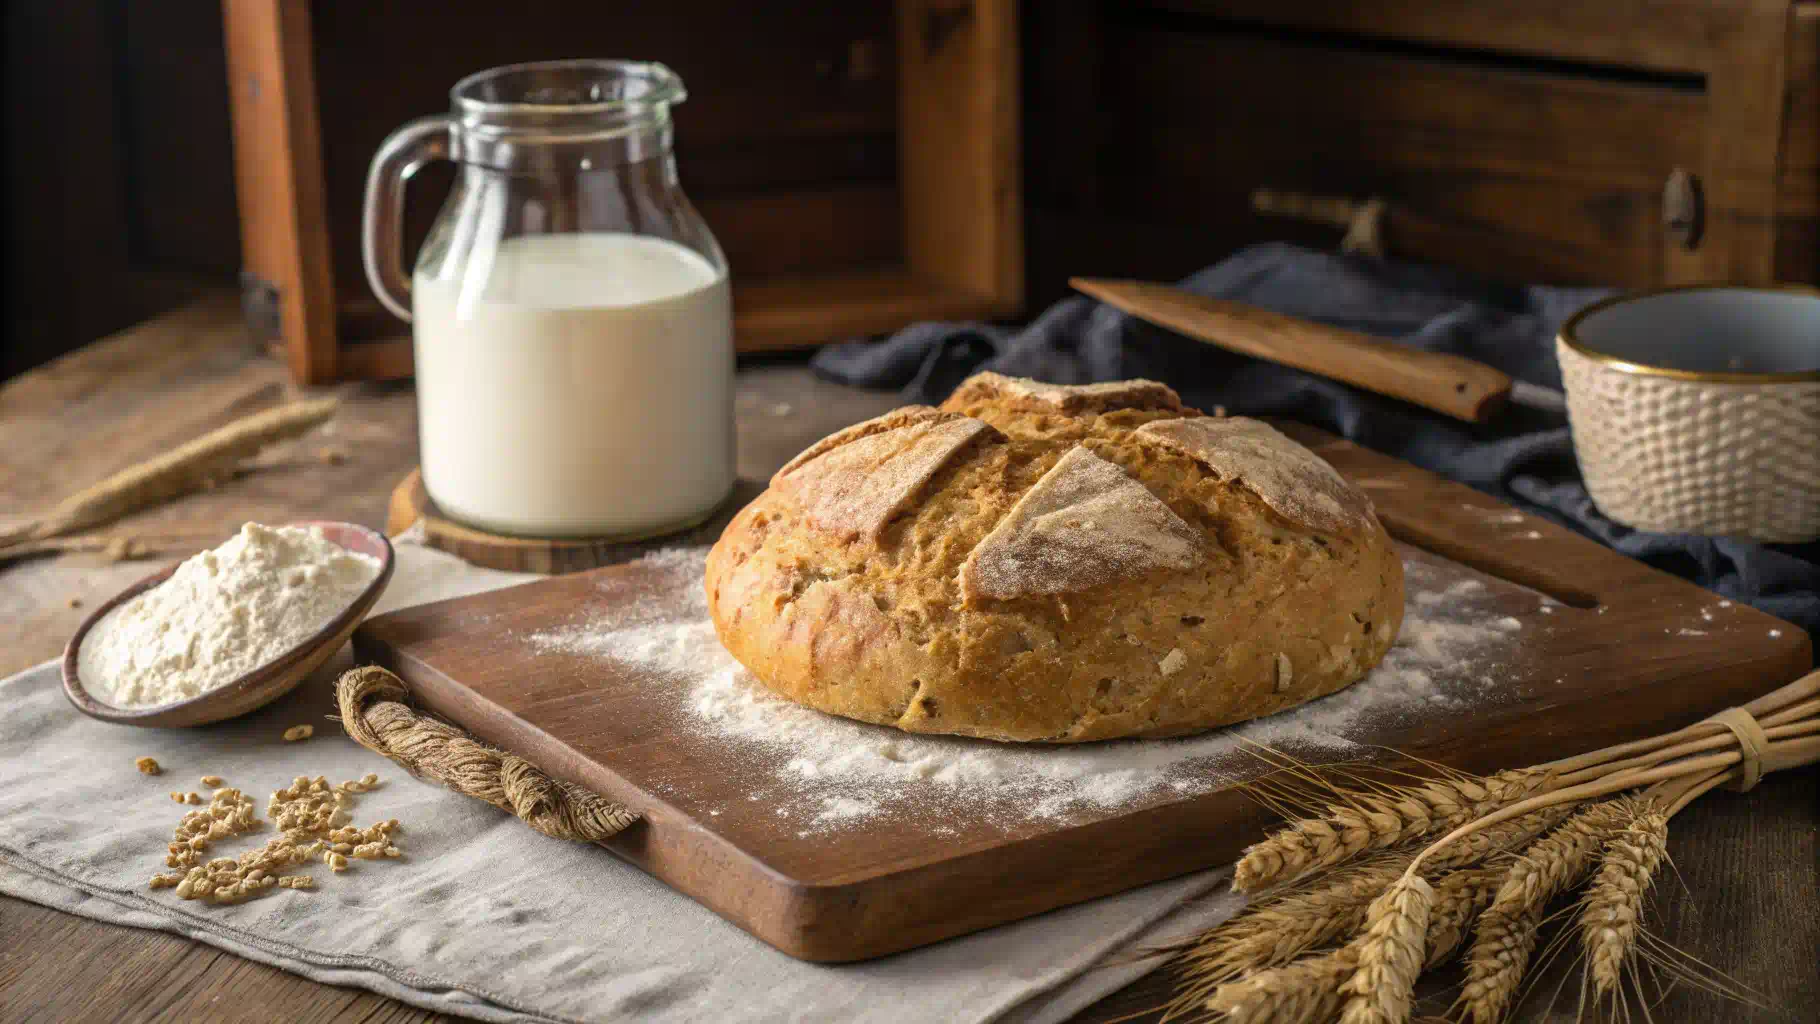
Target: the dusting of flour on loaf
pixel 856 489
pixel 223 613
pixel 1086 523
pixel 823 773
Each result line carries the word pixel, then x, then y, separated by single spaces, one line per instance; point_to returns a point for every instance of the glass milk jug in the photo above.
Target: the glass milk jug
pixel 570 310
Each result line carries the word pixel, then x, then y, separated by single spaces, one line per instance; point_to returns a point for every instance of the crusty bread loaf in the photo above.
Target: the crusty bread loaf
pixel 1045 563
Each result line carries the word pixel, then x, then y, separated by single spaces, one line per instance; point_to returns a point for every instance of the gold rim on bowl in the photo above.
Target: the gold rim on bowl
pixel 1568 338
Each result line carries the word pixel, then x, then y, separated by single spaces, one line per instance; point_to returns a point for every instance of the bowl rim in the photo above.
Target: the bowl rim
pixel 1568 337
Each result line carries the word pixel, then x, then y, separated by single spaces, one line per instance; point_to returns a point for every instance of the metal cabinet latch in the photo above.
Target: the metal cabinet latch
pixel 1683 211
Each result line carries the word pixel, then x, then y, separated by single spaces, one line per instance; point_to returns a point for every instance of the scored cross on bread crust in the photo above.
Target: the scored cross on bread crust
pixel 855 489
pixel 1085 523
pixel 1295 482
pixel 1056 563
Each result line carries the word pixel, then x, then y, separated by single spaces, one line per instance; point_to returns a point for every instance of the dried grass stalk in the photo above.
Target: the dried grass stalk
pixel 1612 911
pixel 206 459
pixel 1390 955
pixel 1376 821
pixel 1505 936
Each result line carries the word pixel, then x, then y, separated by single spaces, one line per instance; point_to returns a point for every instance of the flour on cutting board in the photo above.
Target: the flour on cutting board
pixel 823 773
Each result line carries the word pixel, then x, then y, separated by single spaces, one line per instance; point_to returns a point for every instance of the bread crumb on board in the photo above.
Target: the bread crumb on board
pixel 148 766
pixel 299 732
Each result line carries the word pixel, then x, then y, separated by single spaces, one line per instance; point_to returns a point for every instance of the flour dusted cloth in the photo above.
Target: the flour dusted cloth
pixel 483 917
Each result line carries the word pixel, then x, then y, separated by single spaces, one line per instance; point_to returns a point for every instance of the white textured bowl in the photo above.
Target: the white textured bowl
pixel 1697 410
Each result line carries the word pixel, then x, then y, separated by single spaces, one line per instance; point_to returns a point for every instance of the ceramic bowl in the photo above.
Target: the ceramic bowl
pixel 1697 409
pixel 263 684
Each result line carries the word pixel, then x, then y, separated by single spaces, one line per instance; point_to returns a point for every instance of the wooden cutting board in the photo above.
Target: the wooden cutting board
pixel 1601 649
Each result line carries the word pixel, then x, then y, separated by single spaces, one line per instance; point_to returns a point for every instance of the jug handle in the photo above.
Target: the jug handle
pixel 403 154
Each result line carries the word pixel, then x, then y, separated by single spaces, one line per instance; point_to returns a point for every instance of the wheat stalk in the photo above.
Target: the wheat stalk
pixel 182 469
pixel 1246 971
pixel 1476 847
pixel 1459 897
pixel 1390 954
pixel 1377 821
pixel 1277 929
pixel 1613 907
pixel 1304 992
pixel 1506 932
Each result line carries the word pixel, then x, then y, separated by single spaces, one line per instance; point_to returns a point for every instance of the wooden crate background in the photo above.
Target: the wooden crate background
pixel 856 161
pixel 1536 135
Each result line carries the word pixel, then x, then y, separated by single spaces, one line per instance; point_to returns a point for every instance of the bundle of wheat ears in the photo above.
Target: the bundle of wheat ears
pixel 1349 907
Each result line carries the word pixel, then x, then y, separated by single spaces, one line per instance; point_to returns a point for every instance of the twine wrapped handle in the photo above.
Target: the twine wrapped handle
pixel 375 711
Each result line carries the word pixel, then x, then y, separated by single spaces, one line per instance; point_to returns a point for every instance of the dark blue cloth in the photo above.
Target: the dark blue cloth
pixel 1523 457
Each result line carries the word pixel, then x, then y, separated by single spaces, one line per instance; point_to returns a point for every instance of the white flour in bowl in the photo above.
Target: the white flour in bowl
pixel 823 773
pixel 223 613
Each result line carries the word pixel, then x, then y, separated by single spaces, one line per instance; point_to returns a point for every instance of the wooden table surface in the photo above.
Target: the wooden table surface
pixel 1744 896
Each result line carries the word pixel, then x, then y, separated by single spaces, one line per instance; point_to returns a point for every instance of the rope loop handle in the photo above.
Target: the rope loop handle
pixel 376 712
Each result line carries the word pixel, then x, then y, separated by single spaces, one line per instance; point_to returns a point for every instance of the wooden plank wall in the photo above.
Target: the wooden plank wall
pixel 1538 133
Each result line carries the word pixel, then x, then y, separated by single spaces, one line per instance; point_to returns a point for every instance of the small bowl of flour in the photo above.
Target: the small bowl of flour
pixel 228 630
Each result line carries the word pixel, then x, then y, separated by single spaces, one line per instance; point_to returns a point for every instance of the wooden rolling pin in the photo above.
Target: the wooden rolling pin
pixel 1455 385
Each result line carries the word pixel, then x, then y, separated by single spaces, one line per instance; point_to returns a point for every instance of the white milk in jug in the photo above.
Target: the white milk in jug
pixel 579 385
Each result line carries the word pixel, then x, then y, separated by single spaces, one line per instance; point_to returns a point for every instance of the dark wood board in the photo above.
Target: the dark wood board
pixel 1608 663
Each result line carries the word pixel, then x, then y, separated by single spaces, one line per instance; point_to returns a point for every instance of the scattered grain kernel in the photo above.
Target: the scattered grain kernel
pixel 212 781
pixel 192 798
pixel 1285 672
pixel 1172 662
pixel 75 602
pixel 335 860
pixel 299 732
pixel 147 766
pixel 332 456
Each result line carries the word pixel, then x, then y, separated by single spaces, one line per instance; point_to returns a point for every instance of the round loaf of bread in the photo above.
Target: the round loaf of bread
pixel 1044 563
